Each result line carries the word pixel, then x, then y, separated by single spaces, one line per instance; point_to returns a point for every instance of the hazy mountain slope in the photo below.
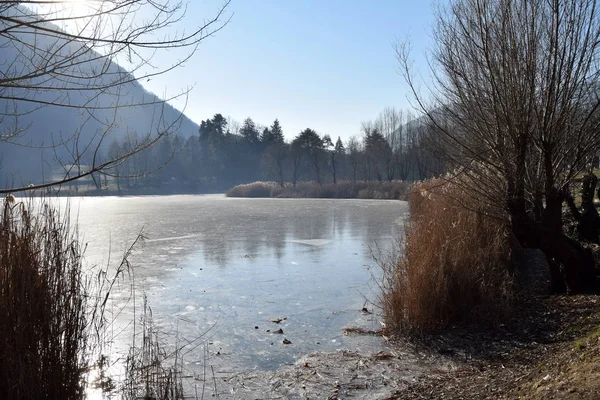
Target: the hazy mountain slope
pixel 53 127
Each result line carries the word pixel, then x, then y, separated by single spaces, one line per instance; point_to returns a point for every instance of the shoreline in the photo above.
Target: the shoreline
pixel 549 350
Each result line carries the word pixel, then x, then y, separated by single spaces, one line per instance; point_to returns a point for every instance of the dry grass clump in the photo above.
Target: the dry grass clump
pixel 254 189
pixel 395 190
pixel 151 373
pixel 43 303
pixel 454 266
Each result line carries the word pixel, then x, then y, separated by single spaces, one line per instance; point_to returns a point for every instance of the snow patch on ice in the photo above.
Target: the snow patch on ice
pixel 313 242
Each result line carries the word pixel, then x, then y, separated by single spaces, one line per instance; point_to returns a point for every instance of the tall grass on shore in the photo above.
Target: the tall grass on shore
pixel 44 319
pixel 453 267
pixel 52 314
pixel 395 190
pixel 149 374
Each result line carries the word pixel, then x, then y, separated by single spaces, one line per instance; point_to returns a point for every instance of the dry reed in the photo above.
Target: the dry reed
pixel 453 265
pixel 151 373
pixel 395 190
pixel 43 305
pixel 52 314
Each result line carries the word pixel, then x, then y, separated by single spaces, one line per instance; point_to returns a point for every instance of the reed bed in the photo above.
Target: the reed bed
pixel 394 190
pixel 44 305
pixel 152 373
pixel 452 268
pixel 52 315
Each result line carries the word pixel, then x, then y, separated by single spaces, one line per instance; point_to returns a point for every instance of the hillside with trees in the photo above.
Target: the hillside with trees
pixel 65 93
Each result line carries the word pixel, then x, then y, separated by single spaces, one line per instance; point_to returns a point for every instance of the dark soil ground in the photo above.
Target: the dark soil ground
pixel 551 350
pixel 553 353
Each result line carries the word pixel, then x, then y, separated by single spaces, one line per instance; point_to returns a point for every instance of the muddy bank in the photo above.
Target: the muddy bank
pixel 553 353
pixel 341 374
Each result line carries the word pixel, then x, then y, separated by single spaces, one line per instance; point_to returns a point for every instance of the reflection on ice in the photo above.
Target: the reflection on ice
pixel 218 268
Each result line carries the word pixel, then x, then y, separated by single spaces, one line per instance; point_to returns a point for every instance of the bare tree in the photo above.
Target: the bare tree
pixel 392 124
pixel 274 160
pixel 379 154
pixel 355 156
pixel 296 159
pixel 67 53
pixel 516 107
pixel 426 155
pixel 233 126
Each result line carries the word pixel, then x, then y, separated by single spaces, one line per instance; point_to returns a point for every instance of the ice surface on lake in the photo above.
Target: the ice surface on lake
pixel 171 238
pixel 313 242
pixel 217 271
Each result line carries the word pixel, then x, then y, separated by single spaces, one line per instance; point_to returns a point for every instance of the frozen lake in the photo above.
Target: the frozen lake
pixel 217 269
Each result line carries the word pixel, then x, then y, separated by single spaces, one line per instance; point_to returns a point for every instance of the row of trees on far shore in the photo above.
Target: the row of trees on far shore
pixel 226 153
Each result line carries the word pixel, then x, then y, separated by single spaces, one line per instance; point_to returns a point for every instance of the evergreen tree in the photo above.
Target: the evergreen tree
pixel 219 124
pixel 249 131
pixel 276 132
pixel 339 158
pixel 339 146
pixel 309 140
pixel 266 137
pixel 313 147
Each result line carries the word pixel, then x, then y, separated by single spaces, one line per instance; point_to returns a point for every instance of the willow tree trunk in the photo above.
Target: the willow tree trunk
pixel 572 267
pixel 589 221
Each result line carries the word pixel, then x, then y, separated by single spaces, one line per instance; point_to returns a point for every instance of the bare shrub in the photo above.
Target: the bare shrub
pixel 454 264
pixel 43 305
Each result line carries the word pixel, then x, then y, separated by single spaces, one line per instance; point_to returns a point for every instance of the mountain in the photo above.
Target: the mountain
pixel 94 110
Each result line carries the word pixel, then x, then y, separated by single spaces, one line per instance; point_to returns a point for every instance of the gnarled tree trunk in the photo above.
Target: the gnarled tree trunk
pixel 572 267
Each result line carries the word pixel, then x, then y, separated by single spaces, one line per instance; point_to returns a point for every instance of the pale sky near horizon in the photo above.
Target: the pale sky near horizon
pixel 321 64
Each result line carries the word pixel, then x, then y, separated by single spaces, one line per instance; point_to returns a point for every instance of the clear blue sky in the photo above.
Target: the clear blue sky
pixel 323 64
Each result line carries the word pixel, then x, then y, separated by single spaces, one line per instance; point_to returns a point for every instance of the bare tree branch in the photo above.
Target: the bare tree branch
pixel 66 54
